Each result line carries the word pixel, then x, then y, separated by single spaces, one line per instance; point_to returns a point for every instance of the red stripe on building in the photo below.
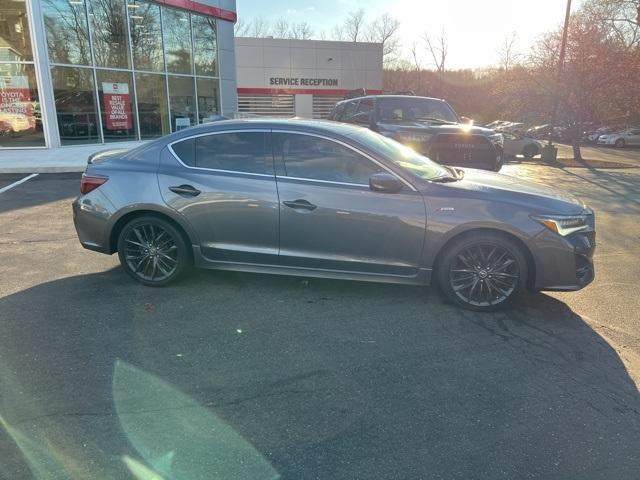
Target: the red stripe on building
pixel 201 8
pixel 294 91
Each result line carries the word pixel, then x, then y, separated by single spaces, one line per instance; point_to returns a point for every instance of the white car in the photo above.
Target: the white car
pixel 521 145
pixel 630 136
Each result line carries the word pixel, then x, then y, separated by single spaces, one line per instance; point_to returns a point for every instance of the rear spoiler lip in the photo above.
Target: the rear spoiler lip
pixel 105 153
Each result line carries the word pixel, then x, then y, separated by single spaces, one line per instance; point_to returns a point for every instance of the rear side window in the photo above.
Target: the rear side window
pixel 349 111
pixel 237 152
pixel 314 158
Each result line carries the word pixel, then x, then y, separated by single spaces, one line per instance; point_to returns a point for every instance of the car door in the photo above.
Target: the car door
pixel 634 138
pixel 331 219
pixel 223 183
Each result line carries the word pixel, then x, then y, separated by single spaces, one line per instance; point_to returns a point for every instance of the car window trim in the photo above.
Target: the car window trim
pixel 249 130
pixel 348 146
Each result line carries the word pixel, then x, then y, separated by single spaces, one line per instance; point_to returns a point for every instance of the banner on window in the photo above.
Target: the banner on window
pixel 16 108
pixel 117 106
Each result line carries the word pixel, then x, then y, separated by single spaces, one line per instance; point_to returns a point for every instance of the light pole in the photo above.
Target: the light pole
pixel 550 152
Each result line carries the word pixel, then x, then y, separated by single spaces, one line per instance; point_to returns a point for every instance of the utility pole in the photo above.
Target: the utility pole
pixel 550 149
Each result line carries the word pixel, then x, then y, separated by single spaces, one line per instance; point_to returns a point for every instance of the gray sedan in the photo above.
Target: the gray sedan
pixel 323 199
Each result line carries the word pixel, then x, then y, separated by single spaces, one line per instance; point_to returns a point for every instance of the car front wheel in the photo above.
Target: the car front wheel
pixel 152 251
pixel 482 272
pixel 530 151
pixel 620 143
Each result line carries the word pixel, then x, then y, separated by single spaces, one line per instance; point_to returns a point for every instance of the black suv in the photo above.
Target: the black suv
pixel 428 125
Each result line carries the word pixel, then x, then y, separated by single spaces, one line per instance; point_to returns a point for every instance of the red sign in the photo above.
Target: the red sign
pixel 117 106
pixel 16 108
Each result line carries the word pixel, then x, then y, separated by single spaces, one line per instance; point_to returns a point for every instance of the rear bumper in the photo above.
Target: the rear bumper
pixel 90 225
pixel 564 263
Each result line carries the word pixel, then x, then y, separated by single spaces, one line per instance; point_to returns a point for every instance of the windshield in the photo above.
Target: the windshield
pixel 407 109
pixel 404 157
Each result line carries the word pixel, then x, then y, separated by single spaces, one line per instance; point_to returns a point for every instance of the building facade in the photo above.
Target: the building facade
pixel 82 72
pixel 304 78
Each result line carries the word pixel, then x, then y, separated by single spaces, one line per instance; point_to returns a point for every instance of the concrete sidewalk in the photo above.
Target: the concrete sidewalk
pixel 54 160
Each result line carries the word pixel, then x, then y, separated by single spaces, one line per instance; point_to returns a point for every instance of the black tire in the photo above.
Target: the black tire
pixel 499 162
pixel 492 286
pixel 620 143
pixel 530 151
pixel 152 251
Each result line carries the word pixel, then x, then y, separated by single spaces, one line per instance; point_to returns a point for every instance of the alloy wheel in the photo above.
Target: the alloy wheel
pixel 484 275
pixel 150 252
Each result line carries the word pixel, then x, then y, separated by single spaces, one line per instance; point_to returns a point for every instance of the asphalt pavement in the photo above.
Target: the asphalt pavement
pixel 230 375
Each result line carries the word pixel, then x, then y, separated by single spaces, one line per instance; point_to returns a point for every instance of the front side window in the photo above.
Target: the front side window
pixel 315 158
pixel 244 152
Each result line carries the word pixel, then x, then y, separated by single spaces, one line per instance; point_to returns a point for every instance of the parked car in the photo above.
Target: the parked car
pixel 630 136
pixel 325 199
pixel 521 145
pixel 428 125
pixel 539 132
pixel 593 135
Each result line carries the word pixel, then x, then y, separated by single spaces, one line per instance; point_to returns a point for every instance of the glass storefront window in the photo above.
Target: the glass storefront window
pixel 146 36
pixel 177 40
pixel 207 98
pixel 20 116
pixel 15 42
pixel 109 33
pixel 152 105
pixel 115 91
pixel 204 45
pixel 67 31
pixel 75 101
pixel 181 102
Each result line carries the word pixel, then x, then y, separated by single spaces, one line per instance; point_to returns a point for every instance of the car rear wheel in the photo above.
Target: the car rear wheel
pixel 530 151
pixel 483 272
pixel 152 251
pixel 620 143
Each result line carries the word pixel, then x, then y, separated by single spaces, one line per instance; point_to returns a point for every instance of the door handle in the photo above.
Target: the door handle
pixel 187 190
pixel 300 204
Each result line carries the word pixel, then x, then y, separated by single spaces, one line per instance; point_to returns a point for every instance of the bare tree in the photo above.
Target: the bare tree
pixel 507 51
pixel 415 57
pixel 353 26
pixel 260 27
pixel 301 31
pixel 384 30
pixel 281 28
pixel 241 27
pixel 438 47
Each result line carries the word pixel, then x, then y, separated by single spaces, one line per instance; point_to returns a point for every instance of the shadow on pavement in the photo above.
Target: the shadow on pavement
pixel 45 188
pixel 325 379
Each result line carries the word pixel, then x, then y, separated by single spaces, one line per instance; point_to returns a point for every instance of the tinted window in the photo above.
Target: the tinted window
pixel 316 158
pixel 363 114
pixel 414 109
pixel 237 152
pixel 337 112
pixel 349 111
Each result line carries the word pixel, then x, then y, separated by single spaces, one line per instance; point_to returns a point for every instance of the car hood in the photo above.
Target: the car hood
pixel 537 197
pixel 434 128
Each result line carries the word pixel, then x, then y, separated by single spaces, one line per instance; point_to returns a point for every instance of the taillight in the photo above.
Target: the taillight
pixel 90 182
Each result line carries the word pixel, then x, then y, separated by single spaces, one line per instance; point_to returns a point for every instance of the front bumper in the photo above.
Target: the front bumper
pixel 606 141
pixel 565 263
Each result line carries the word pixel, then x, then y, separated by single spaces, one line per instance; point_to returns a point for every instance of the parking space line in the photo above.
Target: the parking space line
pixel 15 184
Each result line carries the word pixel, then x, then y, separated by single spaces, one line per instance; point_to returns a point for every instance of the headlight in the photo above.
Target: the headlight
pixel 414 136
pixel 567 224
pixel 497 139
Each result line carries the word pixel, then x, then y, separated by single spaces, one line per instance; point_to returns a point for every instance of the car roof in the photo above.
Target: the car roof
pixel 308 125
pixel 412 97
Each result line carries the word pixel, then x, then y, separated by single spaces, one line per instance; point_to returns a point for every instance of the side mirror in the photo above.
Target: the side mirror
pixel 385 183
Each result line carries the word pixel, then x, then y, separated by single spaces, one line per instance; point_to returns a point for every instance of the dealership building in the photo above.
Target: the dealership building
pixel 78 74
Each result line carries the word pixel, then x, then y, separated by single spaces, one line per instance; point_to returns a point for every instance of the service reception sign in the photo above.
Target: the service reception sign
pixel 117 106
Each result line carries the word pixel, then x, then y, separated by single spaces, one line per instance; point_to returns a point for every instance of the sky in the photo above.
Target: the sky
pixel 475 29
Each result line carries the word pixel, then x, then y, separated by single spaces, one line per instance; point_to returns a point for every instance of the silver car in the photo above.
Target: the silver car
pixel 324 199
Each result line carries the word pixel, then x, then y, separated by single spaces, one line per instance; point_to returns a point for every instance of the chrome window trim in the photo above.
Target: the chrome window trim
pixel 350 147
pixel 175 155
pixel 313 180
